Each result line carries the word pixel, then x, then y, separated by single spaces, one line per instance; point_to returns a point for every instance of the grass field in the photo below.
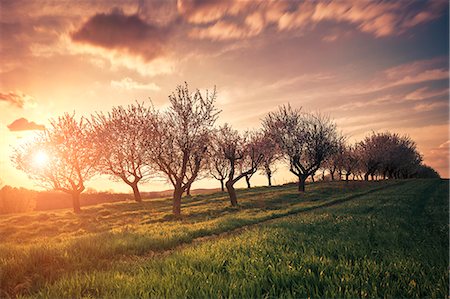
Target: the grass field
pixel 362 239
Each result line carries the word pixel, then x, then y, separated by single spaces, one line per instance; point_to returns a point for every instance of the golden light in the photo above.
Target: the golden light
pixel 40 159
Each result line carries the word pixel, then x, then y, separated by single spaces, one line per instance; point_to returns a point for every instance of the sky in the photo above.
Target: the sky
pixel 371 66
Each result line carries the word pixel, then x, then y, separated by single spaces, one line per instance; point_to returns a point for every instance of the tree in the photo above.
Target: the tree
pixel 183 134
pixel 218 165
pixel 235 148
pixel 305 139
pixel 271 154
pixel 426 172
pixel 334 163
pixel 121 139
pixel 401 157
pixel 389 155
pixel 370 153
pixel 61 157
pixel 348 163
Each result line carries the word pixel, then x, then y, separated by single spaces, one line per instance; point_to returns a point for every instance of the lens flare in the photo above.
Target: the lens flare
pixel 40 159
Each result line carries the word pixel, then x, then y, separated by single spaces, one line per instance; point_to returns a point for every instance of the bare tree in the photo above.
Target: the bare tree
pixel 305 139
pixel 183 135
pixel 219 167
pixel 348 163
pixel 334 162
pixel 370 154
pixel 271 155
pixel 60 158
pixel 245 164
pixel 122 137
pixel 236 148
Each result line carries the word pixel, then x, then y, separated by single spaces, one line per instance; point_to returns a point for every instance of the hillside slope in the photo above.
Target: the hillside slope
pixel 358 240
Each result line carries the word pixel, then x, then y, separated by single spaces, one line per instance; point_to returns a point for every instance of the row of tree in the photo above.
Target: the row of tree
pixel 136 143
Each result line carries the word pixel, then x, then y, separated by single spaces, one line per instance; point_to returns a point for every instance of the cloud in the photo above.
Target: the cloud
pixel 127 33
pixel 224 30
pixel 22 124
pixel 415 72
pixel 378 18
pixel 16 98
pixel 430 106
pixel 438 158
pixel 129 84
pixel 202 12
pixel 425 93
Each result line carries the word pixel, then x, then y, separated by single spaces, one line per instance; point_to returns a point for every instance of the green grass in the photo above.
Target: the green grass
pixel 376 239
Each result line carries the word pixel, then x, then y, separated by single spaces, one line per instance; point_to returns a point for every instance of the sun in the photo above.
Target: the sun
pixel 40 159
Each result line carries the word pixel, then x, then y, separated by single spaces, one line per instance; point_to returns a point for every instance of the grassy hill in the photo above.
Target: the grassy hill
pixel 361 239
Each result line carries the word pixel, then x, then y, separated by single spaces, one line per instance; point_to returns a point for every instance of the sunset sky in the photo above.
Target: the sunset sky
pixel 372 66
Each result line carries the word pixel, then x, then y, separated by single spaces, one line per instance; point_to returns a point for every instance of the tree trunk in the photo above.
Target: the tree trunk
pixel 247 180
pixel 269 179
pixel 373 176
pixel 76 202
pixel 332 175
pixel 366 176
pixel 323 175
pixel 137 194
pixel 222 187
pixel 231 193
pixel 312 178
pixel 176 209
pixel 347 176
pixel 301 183
pixel 188 190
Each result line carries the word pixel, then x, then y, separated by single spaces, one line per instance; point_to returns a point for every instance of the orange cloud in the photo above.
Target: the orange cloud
pixel 378 18
pixel 223 30
pixel 202 12
pixel 129 84
pixel 16 98
pixel 22 124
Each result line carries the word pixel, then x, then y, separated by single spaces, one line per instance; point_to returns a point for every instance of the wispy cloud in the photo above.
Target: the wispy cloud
pixel 16 98
pixel 129 84
pixel 430 106
pixel 426 93
pixel 378 18
pixel 406 74
pixel 438 157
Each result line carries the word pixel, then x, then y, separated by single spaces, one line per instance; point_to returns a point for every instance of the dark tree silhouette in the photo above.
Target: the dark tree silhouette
pixel 370 154
pixel 389 155
pixel 305 139
pixel 121 138
pixel 70 157
pixel 182 136
pixel 237 148
pixel 401 158
pixel 426 172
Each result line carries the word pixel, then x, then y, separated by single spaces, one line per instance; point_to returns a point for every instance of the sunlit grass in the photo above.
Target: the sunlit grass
pixel 373 239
